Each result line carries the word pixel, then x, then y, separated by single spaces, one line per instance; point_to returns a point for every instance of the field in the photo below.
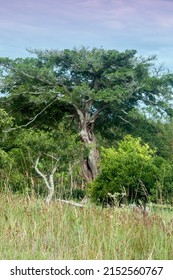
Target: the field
pixel 30 229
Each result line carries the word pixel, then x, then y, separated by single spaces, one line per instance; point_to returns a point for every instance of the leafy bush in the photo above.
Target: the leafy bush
pixel 163 188
pixel 5 120
pixel 129 173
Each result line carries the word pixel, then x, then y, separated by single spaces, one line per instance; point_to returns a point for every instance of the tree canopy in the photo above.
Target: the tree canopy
pixel 95 93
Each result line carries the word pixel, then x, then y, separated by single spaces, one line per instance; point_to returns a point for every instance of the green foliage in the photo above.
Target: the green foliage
pixel 5 160
pixel 130 171
pixel 5 120
pixel 109 77
pixel 18 163
pixel 48 97
pixel 165 138
pixel 162 192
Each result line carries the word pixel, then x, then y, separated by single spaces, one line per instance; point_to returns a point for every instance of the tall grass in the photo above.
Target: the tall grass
pixel 29 229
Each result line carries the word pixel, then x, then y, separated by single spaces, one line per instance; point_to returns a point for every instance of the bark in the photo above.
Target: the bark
pixel 86 127
pixel 49 184
pixel 90 164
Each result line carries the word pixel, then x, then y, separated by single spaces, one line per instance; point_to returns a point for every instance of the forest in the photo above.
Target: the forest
pixel 86 127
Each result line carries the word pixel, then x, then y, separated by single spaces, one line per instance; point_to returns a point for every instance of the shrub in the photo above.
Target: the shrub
pixel 128 173
pixel 162 192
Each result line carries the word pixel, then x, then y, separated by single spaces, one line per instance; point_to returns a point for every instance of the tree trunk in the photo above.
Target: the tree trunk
pixel 90 164
pixel 86 121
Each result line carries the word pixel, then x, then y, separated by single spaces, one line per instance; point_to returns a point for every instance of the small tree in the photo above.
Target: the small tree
pixel 127 172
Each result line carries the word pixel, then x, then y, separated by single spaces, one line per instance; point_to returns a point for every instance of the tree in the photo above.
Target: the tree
pixel 85 84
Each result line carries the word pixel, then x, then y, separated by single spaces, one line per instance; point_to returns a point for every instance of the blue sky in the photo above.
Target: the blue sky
pixel 143 25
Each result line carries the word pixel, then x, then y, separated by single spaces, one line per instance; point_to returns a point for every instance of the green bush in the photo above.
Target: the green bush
pixel 129 173
pixel 5 120
pixel 162 192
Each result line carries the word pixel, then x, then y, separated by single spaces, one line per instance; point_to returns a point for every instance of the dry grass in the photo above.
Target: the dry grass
pixel 29 229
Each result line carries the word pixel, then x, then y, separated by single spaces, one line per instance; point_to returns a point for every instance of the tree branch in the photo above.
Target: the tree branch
pixel 71 203
pixel 79 113
pixel 35 117
pixel 50 184
pixel 41 174
pixel 96 114
pixel 125 121
pixel 35 78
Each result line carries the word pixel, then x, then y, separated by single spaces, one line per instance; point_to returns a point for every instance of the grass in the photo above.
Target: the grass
pixel 29 229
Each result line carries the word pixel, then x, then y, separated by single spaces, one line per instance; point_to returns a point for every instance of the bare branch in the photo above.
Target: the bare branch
pixel 41 174
pixel 50 184
pixel 35 117
pixel 38 78
pixel 89 100
pixel 125 121
pixel 71 203
pixel 79 112
pixel 87 110
pixel 51 156
pixel 96 114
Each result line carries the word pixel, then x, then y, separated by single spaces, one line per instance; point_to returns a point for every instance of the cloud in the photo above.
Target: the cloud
pixel 114 14
pixel 146 25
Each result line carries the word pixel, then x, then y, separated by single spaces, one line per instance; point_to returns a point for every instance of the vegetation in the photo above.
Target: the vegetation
pixel 131 173
pixel 30 229
pixel 79 125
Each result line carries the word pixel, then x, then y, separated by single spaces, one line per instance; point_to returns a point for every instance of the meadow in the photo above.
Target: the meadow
pixel 30 229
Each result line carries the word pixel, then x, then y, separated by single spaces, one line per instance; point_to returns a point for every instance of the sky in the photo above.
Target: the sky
pixel 143 25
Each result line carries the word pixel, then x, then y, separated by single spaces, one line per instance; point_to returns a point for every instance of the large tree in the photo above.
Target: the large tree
pixel 87 85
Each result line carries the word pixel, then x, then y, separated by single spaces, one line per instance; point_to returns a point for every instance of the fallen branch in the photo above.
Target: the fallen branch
pixel 71 203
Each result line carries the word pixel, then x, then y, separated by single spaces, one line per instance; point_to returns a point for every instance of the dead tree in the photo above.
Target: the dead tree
pixel 50 184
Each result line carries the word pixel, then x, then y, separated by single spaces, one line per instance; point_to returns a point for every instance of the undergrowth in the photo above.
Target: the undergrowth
pixel 30 229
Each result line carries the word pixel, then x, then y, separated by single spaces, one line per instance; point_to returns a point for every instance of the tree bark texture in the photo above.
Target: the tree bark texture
pixel 86 126
pixel 90 169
